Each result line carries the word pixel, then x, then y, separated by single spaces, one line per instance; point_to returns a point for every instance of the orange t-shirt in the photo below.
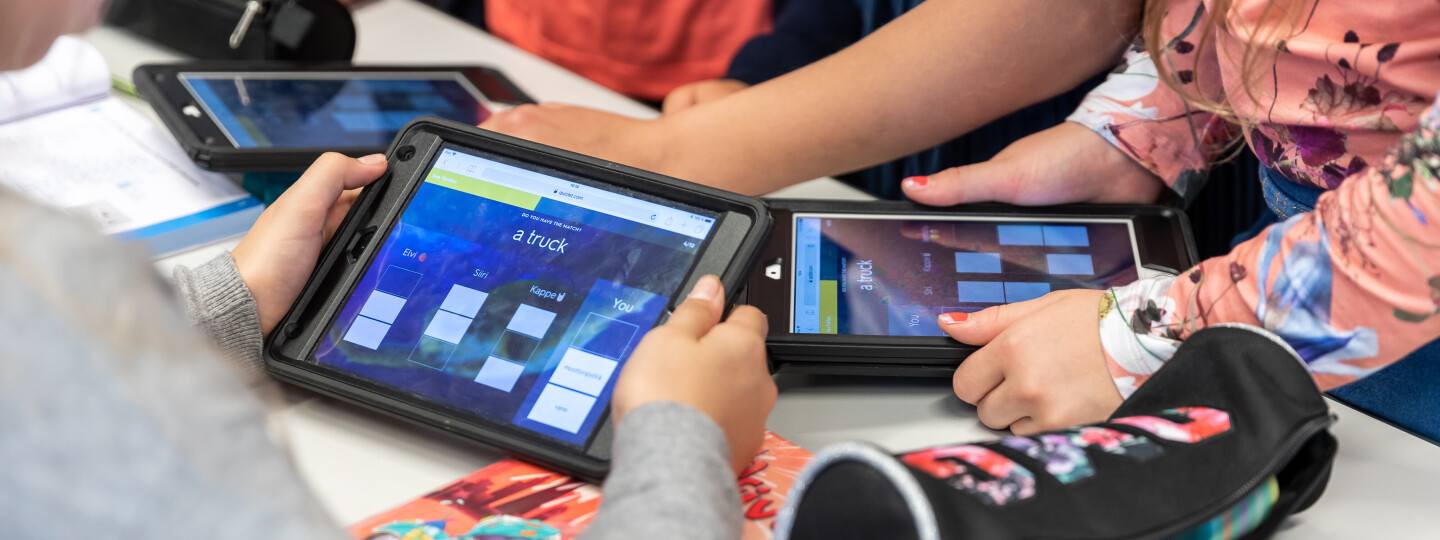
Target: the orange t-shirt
pixel 640 48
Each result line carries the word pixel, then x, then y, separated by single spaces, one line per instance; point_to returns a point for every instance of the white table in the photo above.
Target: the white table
pixel 1386 483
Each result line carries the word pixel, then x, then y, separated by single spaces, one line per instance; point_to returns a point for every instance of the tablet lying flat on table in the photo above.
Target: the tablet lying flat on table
pixel 857 287
pixel 495 288
pixel 279 117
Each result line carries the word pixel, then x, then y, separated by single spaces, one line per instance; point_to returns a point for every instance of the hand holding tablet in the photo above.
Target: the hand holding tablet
pixel 495 288
pixel 715 367
pixel 858 287
pixel 278 253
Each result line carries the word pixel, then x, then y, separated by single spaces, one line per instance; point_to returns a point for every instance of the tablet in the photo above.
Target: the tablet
pixel 495 288
pixel 268 117
pixel 863 283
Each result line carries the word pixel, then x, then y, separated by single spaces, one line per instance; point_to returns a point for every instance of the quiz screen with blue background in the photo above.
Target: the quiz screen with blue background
pixel 513 294
pixel 298 110
pixel 893 276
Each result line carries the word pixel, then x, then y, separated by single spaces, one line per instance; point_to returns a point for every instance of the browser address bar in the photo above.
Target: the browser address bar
pixel 590 198
pixel 551 188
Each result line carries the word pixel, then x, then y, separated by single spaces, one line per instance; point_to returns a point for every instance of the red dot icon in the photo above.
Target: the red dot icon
pixel 422 257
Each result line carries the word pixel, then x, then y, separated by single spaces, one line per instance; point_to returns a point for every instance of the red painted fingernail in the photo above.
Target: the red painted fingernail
pixel 917 181
pixel 954 318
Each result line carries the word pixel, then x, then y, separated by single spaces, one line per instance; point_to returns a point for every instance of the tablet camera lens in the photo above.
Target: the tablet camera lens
pixel 405 153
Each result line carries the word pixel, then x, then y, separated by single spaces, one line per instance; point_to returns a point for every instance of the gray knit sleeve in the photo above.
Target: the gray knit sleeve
pixel 670 478
pixel 218 301
pixel 117 418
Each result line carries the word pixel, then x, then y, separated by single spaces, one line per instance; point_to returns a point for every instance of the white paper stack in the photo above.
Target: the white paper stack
pixel 65 142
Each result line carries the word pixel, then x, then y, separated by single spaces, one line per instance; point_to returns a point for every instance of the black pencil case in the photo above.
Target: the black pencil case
pixel 1225 441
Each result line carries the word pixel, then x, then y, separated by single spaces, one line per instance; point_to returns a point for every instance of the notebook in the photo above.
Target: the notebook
pixel 513 499
pixel 67 143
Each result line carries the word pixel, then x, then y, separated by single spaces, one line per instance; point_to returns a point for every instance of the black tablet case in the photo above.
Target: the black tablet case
pixel 289 347
pixel 218 155
pixel 938 356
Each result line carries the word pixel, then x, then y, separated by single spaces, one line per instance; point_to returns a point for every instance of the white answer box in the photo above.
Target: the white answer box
pixel 464 301
pixel 582 371
pixel 561 408
pixel 448 326
pixel 531 321
pixel 383 307
pixel 499 373
pixel 366 332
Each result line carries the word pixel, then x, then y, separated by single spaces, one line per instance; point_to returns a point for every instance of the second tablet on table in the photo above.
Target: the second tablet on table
pixel 251 117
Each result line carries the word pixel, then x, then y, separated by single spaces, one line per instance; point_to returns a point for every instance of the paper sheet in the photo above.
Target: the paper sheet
pixel 107 162
pixel 73 72
pixel 104 161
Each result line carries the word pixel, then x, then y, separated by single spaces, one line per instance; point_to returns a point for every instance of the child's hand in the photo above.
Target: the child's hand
pixel 617 138
pixel 698 92
pixel 278 254
pixel 718 369
pixel 1067 163
pixel 1041 366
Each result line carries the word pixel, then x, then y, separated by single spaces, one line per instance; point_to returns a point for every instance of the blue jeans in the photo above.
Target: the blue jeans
pixel 1406 393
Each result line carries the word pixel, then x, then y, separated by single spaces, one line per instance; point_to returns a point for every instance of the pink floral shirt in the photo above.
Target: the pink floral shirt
pixel 1335 101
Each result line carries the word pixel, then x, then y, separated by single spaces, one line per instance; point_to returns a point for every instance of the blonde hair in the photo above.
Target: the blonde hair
pixel 1275 24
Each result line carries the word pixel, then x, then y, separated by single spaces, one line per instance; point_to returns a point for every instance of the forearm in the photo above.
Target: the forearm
pixel 670 478
pixel 941 70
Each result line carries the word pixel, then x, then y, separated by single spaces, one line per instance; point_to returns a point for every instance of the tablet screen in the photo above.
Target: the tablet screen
pixel 515 294
pixel 892 276
pixel 329 109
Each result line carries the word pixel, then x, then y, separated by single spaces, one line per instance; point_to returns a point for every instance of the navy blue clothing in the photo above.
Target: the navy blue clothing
pixel 471 11
pixel 1406 393
pixel 804 31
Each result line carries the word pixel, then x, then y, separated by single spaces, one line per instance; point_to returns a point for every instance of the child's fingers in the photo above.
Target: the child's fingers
pixel 680 99
pixel 750 319
pixel 981 327
pixel 977 375
pixel 1000 407
pixel 701 310
pixel 744 324
pixel 338 211
pixel 333 174
pixel 981 182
